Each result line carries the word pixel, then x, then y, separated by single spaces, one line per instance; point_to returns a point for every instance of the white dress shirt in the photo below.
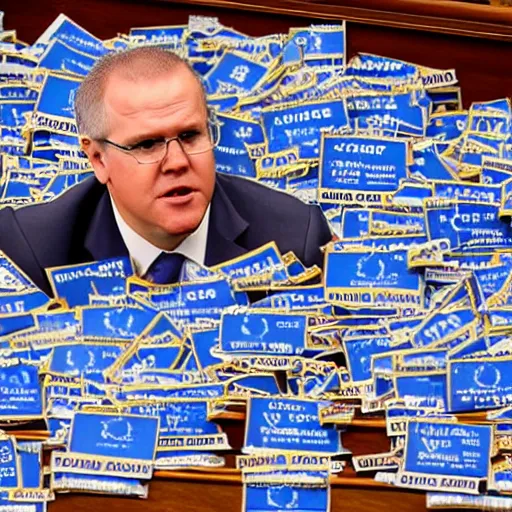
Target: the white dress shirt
pixel 144 253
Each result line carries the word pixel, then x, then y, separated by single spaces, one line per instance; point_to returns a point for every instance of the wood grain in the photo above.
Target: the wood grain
pixel 481 62
pixel 171 495
pixel 445 16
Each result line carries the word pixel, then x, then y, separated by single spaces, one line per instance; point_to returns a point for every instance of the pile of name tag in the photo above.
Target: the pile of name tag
pixel 411 320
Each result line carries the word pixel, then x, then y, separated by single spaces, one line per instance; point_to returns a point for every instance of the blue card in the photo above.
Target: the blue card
pixel 288 424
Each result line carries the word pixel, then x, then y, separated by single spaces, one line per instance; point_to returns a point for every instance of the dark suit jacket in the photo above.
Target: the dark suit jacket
pixel 79 226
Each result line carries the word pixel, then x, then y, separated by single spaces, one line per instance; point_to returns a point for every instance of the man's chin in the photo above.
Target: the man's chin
pixel 179 231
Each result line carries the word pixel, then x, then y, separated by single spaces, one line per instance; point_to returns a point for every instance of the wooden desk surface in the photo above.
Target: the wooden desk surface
pixel 221 489
pixel 191 495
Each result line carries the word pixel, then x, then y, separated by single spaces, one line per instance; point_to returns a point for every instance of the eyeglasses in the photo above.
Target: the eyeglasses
pixel 152 151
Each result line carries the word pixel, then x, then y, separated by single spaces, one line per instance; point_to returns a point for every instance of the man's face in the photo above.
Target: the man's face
pixel 166 201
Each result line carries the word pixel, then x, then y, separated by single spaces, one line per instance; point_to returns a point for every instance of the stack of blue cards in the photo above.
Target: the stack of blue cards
pixel 410 319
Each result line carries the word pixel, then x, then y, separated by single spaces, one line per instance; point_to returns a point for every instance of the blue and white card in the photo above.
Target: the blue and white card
pixel 479 383
pixel 301 125
pixel 288 424
pixel 76 283
pixel 263 333
pixel 369 277
pixel 360 169
pixel 21 395
pixel 10 469
pixel 110 444
pixel 445 455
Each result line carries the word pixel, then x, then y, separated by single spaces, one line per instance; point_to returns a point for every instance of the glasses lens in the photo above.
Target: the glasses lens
pixel 191 143
pixel 196 142
pixel 151 152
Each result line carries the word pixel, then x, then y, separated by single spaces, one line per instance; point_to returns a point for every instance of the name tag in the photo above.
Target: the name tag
pixel 371 277
pixel 495 170
pixel 284 497
pixel 76 282
pixel 171 37
pixel 391 243
pixel 360 170
pixel 293 298
pixel 20 392
pixel 85 360
pixel 480 383
pixel 124 323
pixel 388 114
pixel 264 333
pixel 25 500
pixel 318 45
pixel 109 445
pixel 445 456
pixel 467 224
pixel 30 455
pixel 359 352
pixel 193 302
pixel 422 389
pixel 440 325
pixel 55 105
pixel 444 500
pixel 60 57
pixel 11 277
pixel 234 74
pixel 10 473
pixel 291 125
pixel 185 428
pixel 467 192
pixel 69 32
pixel 265 258
pixel 231 153
pixel 22 302
pixel 366 65
pixel 288 424
pixel 179 390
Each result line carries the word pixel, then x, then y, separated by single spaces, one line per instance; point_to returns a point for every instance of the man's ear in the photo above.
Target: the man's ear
pixel 96 154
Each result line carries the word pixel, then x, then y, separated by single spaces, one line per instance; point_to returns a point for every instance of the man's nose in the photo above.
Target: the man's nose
pixel 175 159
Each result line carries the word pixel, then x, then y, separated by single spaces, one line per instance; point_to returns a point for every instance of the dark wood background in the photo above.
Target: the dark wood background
pixel 476 40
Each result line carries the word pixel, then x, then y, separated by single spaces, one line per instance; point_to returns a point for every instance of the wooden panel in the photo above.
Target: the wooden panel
pixel 221 489
pixel 202 495
pixel 444 16
pixel 481 64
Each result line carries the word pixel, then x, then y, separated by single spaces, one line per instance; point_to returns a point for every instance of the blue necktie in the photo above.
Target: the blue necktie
pixel 166 268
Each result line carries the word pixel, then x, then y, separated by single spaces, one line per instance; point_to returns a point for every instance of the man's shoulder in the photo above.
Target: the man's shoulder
pixel 50 228
pixel 253 199
pixel 64 209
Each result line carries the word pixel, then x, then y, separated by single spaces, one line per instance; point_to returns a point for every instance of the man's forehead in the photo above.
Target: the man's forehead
pixel 178 82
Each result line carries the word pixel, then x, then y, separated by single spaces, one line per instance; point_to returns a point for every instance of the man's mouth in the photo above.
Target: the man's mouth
pixel 178 192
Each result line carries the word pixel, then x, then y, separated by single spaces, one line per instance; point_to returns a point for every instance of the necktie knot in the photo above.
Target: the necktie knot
pixel 166 268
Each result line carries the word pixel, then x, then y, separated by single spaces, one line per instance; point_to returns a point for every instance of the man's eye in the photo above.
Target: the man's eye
pixel 147 144
pixel 189 136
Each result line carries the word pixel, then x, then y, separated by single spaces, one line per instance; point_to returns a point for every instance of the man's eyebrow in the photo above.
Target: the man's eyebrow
pixel 185 127
pixel 135 139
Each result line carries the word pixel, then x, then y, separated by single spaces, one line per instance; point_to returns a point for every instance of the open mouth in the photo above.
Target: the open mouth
pixel 178 192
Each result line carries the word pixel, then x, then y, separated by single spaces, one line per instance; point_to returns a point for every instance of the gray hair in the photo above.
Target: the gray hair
pixel 142 63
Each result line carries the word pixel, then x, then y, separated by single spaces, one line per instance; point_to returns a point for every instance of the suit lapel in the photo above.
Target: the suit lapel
pixel 225 227
pixel 103 239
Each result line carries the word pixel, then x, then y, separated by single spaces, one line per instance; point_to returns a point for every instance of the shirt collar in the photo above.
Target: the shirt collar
pixel 144 253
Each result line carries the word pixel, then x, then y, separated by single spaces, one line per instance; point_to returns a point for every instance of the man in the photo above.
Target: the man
pixel 144 126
